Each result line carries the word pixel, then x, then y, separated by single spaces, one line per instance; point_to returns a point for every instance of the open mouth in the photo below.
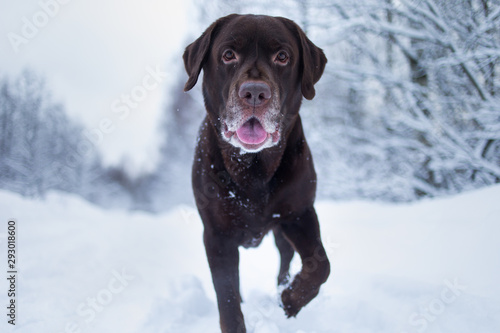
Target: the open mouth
pixel 252 132
pixel 252 136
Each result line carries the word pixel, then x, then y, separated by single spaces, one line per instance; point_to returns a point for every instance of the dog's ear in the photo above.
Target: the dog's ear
pixel 196 53
pixel 194 57
pixel 313 60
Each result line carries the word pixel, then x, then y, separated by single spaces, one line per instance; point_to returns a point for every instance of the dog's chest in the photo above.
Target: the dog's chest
pixel 249 216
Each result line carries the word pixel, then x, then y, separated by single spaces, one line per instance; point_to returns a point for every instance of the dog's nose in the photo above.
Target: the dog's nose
pixel 255 93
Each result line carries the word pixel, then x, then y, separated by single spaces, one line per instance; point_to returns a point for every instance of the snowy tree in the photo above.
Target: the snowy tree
pixel 437 121
pixel 25 153
pixel 41 149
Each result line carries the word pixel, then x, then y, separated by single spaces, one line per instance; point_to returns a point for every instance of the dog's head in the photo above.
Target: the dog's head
pixel 256 70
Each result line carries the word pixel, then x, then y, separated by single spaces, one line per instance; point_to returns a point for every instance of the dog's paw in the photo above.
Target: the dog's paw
pixel 289 302
pixel 296 296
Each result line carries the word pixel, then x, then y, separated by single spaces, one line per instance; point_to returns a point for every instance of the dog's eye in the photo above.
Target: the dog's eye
pixel 282 58
pixel 228 56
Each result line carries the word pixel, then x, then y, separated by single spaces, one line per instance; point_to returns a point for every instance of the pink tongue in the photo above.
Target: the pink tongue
pixel 252 132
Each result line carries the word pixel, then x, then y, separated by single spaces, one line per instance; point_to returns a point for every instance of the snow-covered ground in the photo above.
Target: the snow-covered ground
pixel 432 266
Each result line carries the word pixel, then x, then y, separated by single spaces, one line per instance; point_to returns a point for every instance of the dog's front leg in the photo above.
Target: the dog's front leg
pixel 303 233
pixel 223 259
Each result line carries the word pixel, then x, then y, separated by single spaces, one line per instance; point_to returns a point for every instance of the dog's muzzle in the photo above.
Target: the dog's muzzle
pixel 252 117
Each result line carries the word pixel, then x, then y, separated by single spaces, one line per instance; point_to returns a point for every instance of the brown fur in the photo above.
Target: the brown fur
pixel 241 196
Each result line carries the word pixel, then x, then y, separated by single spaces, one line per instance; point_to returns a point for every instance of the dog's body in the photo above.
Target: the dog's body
pixel 253 171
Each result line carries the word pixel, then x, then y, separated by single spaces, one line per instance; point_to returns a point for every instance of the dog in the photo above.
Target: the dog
pixel 253 171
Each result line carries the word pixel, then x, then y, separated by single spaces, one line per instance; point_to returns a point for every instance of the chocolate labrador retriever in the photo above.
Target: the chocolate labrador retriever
pixel 253 171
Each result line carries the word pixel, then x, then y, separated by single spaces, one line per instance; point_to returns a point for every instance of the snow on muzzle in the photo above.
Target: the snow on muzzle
pixel 251 118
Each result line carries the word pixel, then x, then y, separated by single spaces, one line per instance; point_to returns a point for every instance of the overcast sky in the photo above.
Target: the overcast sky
pixel 95 54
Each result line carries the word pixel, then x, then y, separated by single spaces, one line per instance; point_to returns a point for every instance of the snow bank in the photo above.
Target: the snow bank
pixel 431 266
